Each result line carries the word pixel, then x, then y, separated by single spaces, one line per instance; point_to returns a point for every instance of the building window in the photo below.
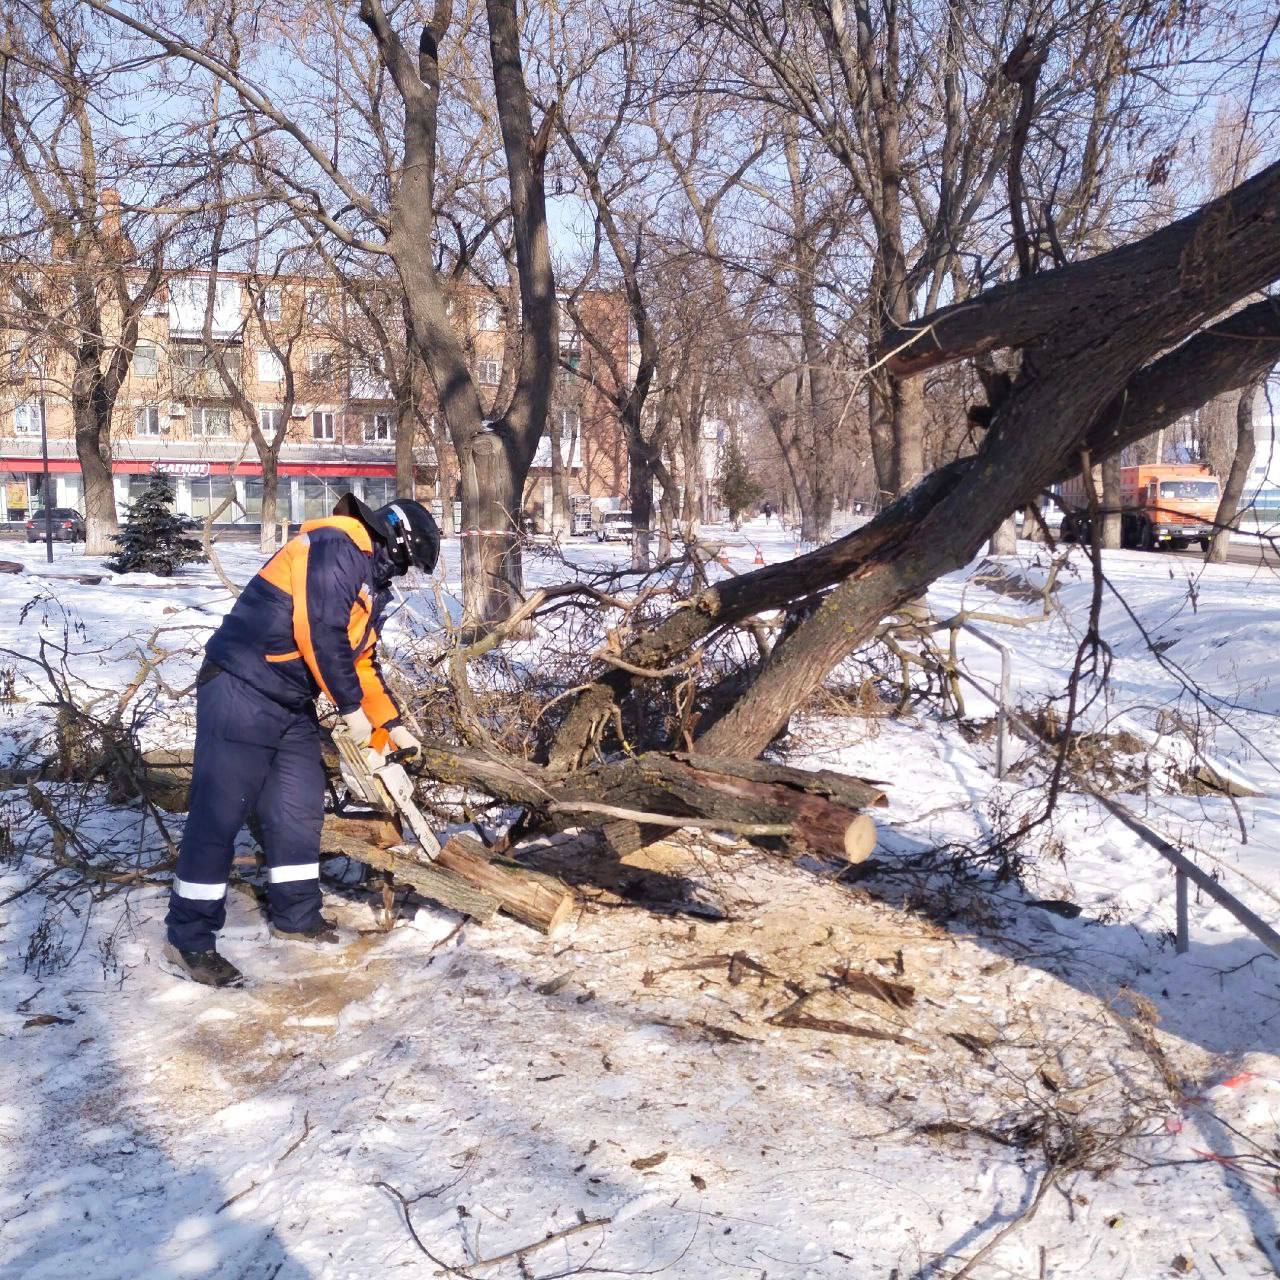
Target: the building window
pixel 26 419
pixel 320 363
pixel 489 372
pixel 379 428
pixel 22 364
pixel 567 423
pixel 189 359
pixel 146 360
pixel 323 425
pixel 271 309
pixel 211 422
pixel 270 421
pixel 319 305
pixel 146 420
pixel 270 367
pixel 569 376
pixel 488 316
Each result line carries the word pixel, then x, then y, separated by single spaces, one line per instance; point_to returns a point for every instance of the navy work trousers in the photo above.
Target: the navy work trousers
pixel 252 755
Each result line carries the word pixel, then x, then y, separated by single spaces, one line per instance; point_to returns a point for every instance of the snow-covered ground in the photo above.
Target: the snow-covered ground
pixel 627 1083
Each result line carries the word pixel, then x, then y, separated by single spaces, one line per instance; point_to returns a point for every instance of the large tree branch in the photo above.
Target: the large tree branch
pixel 1185 262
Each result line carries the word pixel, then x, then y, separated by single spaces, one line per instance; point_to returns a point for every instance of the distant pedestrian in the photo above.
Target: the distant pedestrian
pixel 768 511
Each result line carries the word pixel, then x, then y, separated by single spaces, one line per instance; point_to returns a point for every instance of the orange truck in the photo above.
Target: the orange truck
pixel 1162 505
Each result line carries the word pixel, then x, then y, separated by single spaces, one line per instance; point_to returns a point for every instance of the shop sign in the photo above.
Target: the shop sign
pixel 191 470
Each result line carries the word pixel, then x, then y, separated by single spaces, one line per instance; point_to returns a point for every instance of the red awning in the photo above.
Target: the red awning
pixel 65 466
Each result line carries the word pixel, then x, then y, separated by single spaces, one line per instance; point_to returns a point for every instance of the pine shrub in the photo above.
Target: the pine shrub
pixel 154 539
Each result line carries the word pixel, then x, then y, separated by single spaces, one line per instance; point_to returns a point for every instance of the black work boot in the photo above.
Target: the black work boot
pixel 206 967
pixel 324 931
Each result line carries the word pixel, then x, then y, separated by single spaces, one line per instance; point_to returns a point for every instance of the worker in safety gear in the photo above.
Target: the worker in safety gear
pixel 307 624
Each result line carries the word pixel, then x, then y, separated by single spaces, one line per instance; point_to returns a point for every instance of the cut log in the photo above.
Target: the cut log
pixel 538 900
pixel 465 877
pixel 430 881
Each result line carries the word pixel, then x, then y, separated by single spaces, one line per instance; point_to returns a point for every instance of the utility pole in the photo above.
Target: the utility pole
pixel 44 454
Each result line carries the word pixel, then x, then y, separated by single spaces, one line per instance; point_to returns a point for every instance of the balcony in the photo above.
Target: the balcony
pixel 204 383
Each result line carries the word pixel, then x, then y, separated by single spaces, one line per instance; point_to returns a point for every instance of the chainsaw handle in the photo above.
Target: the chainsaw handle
pixel 403 756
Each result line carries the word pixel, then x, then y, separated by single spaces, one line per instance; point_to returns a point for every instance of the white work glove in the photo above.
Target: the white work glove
pixel 403 740
pixel 361 731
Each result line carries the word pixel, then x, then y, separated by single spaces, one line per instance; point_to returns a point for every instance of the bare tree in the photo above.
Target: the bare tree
pixel 387 204
pixel 96 202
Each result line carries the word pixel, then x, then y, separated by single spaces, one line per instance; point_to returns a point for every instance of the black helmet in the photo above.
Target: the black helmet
pixel 406 527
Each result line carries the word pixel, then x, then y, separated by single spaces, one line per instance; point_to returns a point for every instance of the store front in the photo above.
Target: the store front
pixel 232 492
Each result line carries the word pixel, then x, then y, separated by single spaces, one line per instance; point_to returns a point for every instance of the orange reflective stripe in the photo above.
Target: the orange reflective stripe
pixel 301 547
pixel 349 525
pixel 377 703
pixel 276 571
pixel 282 657
pixel 359 626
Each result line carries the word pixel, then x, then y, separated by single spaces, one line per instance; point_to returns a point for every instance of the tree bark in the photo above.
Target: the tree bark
pixel 1112 522
pixel 93 450
pixel 1233 486
pixel 269 518
pixel 640 489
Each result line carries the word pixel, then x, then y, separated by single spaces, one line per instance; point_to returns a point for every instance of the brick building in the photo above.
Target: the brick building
pixel 175 413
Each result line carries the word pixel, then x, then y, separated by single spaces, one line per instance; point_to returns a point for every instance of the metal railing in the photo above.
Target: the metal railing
pixel 1184 869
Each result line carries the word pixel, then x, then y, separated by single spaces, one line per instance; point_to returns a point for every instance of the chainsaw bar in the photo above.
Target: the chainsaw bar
pixel 387 789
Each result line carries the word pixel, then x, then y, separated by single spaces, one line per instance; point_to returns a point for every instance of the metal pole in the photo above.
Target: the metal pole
pixel 1183 936
pixel 44 453
pixel 1002 706
pixel 1002 716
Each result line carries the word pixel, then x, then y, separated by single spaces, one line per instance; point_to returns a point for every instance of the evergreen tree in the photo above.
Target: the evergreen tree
pixel 738 487
pixel 153 539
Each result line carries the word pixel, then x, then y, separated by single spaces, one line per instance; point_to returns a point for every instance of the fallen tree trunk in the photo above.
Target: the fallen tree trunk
pixel 819 812
pixel 806 810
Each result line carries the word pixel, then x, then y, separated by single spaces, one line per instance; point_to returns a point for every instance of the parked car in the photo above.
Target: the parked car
pixel 614 526
pixel 68 525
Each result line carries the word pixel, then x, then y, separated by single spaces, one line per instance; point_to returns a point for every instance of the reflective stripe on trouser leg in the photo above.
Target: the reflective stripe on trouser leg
pixel 199 892
pixel 291 812
pixel 287 875
pixel 226 778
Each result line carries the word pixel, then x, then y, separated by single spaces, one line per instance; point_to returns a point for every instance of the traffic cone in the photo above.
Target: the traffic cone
pixel 759 557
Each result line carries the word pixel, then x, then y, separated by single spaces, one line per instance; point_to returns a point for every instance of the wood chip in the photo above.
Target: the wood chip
pixel 897 994
pixel 649 1162
pixel 976 1046
pixel 47 1020
pixel 791 1019
pixel 724 1035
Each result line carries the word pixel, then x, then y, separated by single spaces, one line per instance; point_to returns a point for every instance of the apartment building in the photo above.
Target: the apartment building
pixel 294 352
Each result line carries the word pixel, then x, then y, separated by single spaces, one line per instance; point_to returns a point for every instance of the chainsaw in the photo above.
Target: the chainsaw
pixel 388 788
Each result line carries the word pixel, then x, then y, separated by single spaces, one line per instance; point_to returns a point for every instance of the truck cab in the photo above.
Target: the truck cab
pixel 1162 505
pixel 1168 505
